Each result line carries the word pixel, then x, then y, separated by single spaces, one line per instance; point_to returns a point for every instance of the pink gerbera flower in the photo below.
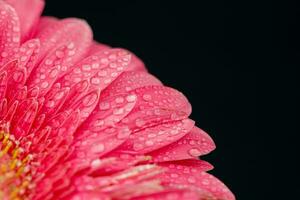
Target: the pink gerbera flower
pixel 80 120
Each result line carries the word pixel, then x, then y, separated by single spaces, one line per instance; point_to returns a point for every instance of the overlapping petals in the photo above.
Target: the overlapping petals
pixel 82 120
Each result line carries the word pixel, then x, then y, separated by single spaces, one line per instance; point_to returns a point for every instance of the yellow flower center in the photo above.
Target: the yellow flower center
pixel 15 176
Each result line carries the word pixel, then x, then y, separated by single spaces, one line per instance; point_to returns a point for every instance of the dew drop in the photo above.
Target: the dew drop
pixel 118 111
pixel 104 105
pixel 49 62
pixel 119 100
pixel 45 84
pixel 191 180
pixel 205 182
pixel 131 98
pixel 194 152
pixel 50 104
pixel 95 163
pixel 173 175
pixel 98 148
pixel 149 143
pixel 4 54
pixel 151 135
pixel 138 147
pixel 147 97
pixel 59 54
pixel 86 67
pixel 139 122
pixel 124 133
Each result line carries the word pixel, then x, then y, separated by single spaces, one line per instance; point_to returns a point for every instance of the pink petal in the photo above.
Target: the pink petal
pixel 28 54
pixel 97 47
pixel 192 145
pixel 136 64
pixel 28 12
pixel 153 138
pixel 69 40
pixel 89 196
pixel 108 113
pixel 130 80
pixel 10 32
pixel 189 164
pixel 156 105
pixel 73 33
pixel 95 72
pixel 171 194
pixel 195 179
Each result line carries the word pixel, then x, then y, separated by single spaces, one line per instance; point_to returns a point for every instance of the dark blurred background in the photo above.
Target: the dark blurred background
pixel 207 50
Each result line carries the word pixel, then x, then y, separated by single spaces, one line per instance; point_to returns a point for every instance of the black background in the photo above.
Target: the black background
pixel 208 51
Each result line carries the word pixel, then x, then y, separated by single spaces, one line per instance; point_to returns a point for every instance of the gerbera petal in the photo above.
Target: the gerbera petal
pixel 95 72
pixel 97 47
pixel 206 185
pixel 10 32
pixel 153 138
pixel 170 194
pixel 192 145
pixel 72 33
pixel 156 105
pixel 29 12
pixel 88 196
pixel 27 55
pixel 136 64
pixel 67 50
pixel 128 81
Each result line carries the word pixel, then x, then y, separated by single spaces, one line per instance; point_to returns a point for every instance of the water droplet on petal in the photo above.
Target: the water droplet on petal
pixel 149 143
pixel 194 152
pixel 173 175
pixel 98 148
pixel 138 147
pixel 119 100
pixel 124 133
pixel 139 122
pixel 131 98
pixel 96 163
pixel 147 97
pixel 191 179
pixel 104 105
pixel 118 111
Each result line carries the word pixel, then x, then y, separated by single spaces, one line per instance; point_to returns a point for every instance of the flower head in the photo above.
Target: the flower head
pixel 82 120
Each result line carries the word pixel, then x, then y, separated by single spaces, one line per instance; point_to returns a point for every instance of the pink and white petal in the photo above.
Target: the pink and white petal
pixel 156 137
pixel 29 12
pixel 192 145
pixel 156 105
pixel 157 96
pixel 130 80
pixel 25 121
pixel 88 195
pixel 112 163
pixel 95 72
pixel 107 114
pixel 97 144
pixel 75 34
pixel 86 104
pixel 27 55
pixel 44 22
pixel 184 176
pixel 136 64
pixel 3 84
pixel 10 32
pixel 63 43
pixel 187 166
pixel 97 47
pixel 170 194
pixel 110 183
